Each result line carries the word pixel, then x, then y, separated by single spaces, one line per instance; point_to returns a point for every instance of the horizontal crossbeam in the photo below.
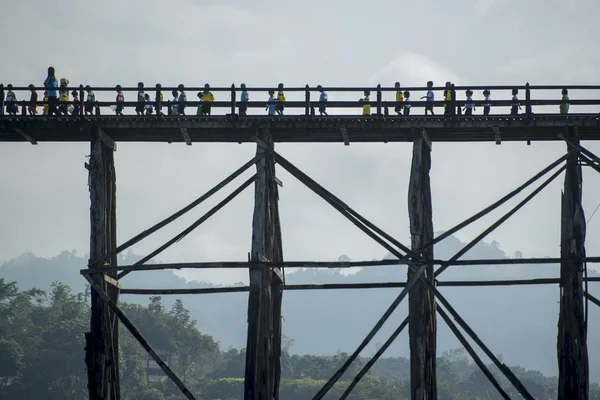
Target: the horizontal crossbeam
pixel 345 286
pixel 330 265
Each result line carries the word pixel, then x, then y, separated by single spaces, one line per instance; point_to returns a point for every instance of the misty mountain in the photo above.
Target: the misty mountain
pixel 519 322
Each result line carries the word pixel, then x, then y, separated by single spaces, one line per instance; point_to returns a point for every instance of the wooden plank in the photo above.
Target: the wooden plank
pixel 497 136
pixel 353 286
pixel 330 264
pixel 107 140
pixel 26 136
pixel 186 136
pixel 278 182
pixel 421 304
pixel 573 364
pixel 112 281
pixel 345 136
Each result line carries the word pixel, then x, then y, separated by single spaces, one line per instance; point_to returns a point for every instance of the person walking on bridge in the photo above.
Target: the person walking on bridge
pixel 174 106
pixel 280 99
pixel 488 102
pixel 141 99
pixel 182 100
pixel 271 107
pixel 399 99
pixel 430 98
pixel 469 106
pixel 322 101
pixel 120 100
pixel 207 98
pixel 516 106
pixel 51 84
pixel 564 106
pixel 244 101
pixel 11 101
pixel 366 103
pixel 90 101
pixel 32 107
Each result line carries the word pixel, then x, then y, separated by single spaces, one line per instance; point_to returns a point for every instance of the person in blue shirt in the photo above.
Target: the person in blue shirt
pixel 322 101
pixel 271 103
pixel 51 83
pixel 244 101
pixel 469 106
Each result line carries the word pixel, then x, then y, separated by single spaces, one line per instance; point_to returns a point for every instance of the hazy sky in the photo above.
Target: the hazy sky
pixel 45 201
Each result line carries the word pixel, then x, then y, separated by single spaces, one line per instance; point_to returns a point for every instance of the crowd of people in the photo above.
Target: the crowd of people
pixel 56 101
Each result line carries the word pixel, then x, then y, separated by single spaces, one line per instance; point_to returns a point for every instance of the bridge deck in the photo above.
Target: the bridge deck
pixel 331 129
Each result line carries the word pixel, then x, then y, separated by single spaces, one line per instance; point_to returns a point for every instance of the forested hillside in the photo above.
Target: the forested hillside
pixel 518 323
pixel 41 357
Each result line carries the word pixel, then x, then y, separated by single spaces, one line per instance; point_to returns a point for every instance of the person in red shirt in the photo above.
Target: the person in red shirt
pixel 76 103
pixel 32 107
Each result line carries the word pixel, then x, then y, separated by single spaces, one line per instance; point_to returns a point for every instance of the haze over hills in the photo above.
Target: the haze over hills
pixel 517 322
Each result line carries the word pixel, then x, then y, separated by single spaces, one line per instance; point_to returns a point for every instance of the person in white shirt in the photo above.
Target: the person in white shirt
pixel 407 103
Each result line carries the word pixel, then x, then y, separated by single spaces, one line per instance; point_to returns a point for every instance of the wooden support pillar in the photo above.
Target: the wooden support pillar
pixel 102 343
pixel 573 368
pixel 263 349
pixel 421 304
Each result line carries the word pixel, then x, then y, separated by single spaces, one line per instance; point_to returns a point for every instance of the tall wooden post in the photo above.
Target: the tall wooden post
pixel 421 304
pixel 263 349
pixel 573 367
pixel 102 345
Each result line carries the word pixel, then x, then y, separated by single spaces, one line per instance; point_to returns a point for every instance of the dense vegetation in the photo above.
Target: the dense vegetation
pixel 41 357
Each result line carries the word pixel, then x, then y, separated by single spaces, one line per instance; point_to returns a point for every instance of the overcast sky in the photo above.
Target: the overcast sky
pixel 45 201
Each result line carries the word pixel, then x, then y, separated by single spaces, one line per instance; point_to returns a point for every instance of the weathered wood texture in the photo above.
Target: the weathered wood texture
pixel 573 368
pixel 102 341
pixel 421 304
pixel 263 348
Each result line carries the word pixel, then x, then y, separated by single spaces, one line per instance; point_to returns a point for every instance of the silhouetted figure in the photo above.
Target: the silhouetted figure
pixel 120 100
pixel 243 109
pixel 322 101
pixel 407 103
pixel 469 106
pixel 514 110
pixel 564 106
pixel 488 104
pixel 32 107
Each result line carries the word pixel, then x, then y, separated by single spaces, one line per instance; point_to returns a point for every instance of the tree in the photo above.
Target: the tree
pixel 11 357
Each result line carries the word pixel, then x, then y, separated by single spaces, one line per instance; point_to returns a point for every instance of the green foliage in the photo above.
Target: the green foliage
pixel 41 356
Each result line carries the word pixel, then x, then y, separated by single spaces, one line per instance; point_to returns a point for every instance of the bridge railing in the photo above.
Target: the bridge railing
pixel 228 98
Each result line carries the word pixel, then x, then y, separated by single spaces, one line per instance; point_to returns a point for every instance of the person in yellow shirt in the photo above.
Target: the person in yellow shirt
pixel 399 99
pixel 64 96
pixel 366 105
pixel 280 100
pixel 448 100
pixel 206 98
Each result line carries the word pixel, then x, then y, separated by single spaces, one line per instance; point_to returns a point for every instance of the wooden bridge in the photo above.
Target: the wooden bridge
pixel 266 263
